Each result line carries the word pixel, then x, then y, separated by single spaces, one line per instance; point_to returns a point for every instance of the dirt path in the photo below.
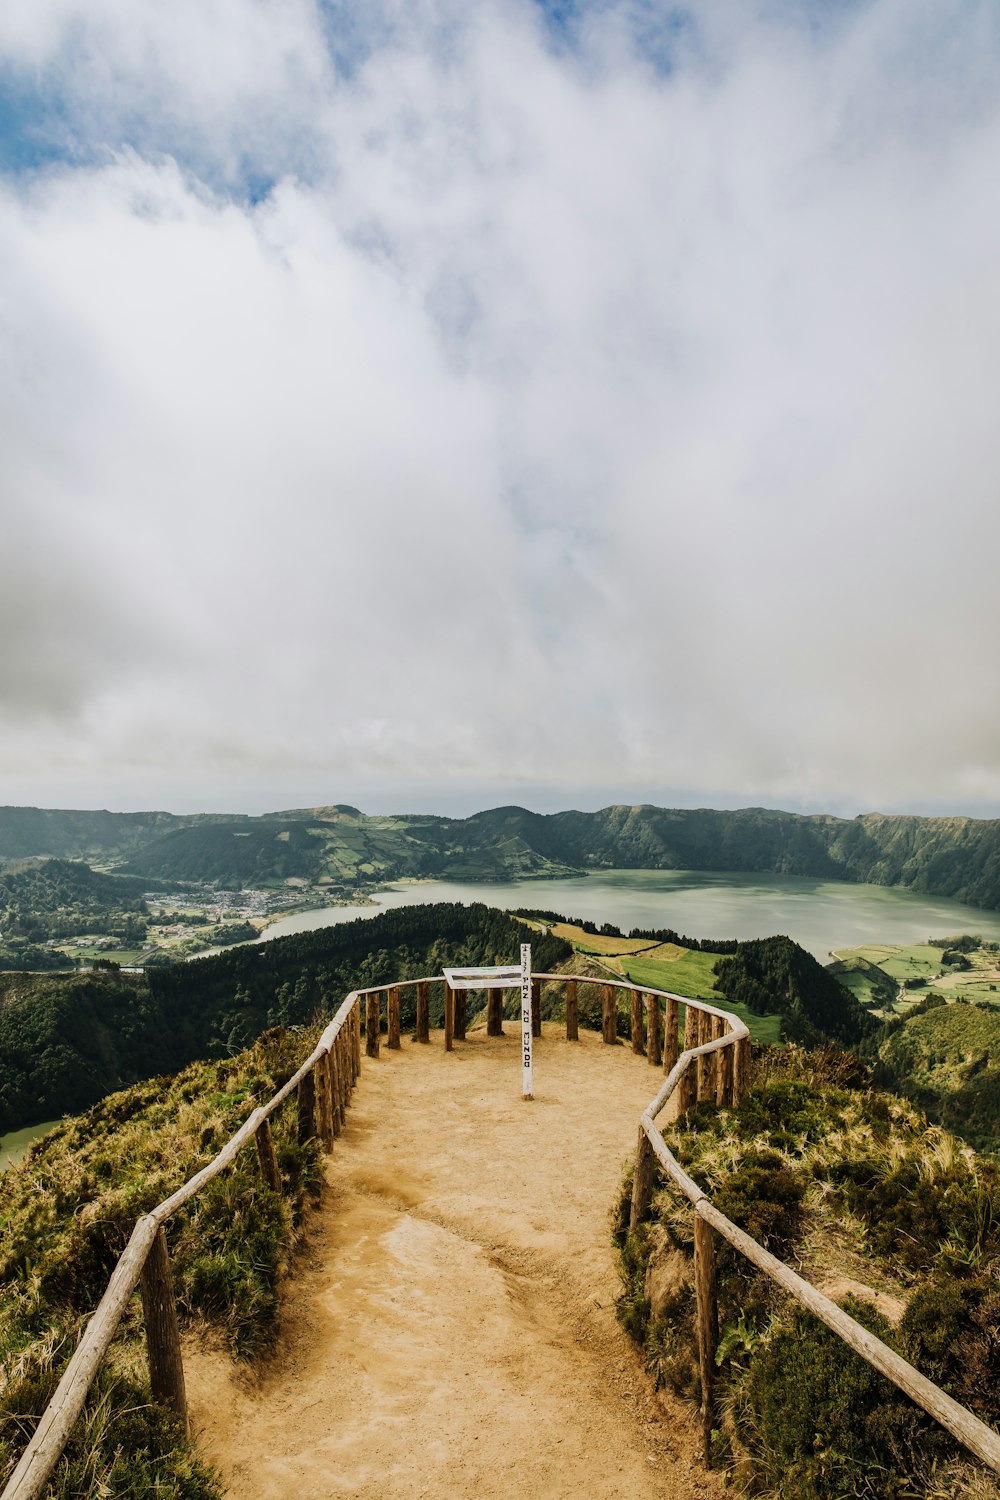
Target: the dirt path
pixel 452 1332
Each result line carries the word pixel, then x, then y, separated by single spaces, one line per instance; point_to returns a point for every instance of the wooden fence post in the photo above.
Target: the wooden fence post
pixel 609 1015
pixel 654 1051
pixel 267 1157
pixel 373 1020
pixel 324 1104
pixel 449 1017
pixel 392 1008
pixel 708 1326
pixel 461 1014
pixel 705 1085
pixel 159 1311
pixel 307 1107
pixel 356 1038
pixel 670 1051
pixel 723 1068
pixel 423 1012
pixel 741 1069
pixel 572 1012
pixel 638 1041
pixel 335 1083
pixel 689 1083
pixel 494 1012
pixel 343 1094
pixel 642 1181
pixel 536 1007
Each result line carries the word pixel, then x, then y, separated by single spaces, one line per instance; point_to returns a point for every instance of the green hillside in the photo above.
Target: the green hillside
pixel 896 1221
pixel 67 1212
pixel 946 1058
pixel 65 1041
pixel 957 857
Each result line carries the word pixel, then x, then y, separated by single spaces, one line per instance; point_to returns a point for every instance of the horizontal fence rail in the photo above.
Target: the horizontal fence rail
pixel 713 1064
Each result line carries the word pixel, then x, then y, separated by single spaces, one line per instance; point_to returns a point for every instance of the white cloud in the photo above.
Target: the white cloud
pixel 552 418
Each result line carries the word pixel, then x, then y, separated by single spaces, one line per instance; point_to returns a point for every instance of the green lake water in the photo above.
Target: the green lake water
pixel 821 915
pixel 16 1142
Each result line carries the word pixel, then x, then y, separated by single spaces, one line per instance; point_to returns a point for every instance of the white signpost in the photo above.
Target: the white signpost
pixel 526 1021
pixel 504 978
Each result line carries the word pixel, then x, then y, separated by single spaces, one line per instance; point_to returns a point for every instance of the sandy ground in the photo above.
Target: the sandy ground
pixel 450 1328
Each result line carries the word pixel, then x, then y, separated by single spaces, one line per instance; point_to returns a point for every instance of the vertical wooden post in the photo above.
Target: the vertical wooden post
pixel 704 1081
pixel 688 1092
pixel 609 1015
pixel 392 1009
pixel 449 1017
pixel 690 1027
pixel 335 1080
pixel 343 1095
pixel 423 1012
pixel 721 1058
pixel 267 1157
pixel 642 1181
pixel 373 1020
pixel 307 1107
pixel 708 1326
pixel 572 1012
pixel 461 1014
pixel 324 1104
pixel 638 1041
pixel 159 1311
pixel 536 1007
pixel 494 1012
pixel 741 1069
pixel 654 1051
pixel 356 1038
pixel 670 1035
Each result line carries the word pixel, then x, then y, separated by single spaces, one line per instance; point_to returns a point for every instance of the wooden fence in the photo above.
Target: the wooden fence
pixel 712 1065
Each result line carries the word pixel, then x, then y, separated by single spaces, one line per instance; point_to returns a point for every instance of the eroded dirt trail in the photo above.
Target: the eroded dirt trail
pixel 451 1331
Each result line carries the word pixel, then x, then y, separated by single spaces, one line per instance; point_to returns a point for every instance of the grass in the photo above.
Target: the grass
pixel 692 973
pixel 599 943
pixel 918 967
pixel 850 1184
pixel 66 1212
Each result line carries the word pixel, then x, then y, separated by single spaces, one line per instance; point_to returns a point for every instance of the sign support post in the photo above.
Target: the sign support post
pixel 526 1021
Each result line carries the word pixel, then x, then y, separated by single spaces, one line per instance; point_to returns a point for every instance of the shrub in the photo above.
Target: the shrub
pixel 821 1424
pixel 764 1197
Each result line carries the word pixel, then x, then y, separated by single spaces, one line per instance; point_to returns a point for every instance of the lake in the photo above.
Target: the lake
pixel 821 915
pixel 16 1142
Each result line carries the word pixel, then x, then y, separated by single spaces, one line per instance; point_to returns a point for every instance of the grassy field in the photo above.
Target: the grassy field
pixel 920 962
pixel 599 943
pixel 691 973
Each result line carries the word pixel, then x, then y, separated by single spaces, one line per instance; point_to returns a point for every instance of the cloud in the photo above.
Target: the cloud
pixel 430 395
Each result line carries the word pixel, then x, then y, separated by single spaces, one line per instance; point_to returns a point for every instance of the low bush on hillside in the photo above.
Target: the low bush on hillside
pixel 67 1212
pixel 850 1185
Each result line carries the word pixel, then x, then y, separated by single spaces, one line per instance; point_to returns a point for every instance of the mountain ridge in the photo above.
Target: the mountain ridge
pixel 955 856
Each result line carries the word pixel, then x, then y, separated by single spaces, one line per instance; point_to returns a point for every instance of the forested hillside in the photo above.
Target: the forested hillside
pixel 946 1058
pixel 65 1041
pixel 957 857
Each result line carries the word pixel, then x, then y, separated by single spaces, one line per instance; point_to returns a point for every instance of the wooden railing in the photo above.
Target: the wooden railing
pixel 713 1065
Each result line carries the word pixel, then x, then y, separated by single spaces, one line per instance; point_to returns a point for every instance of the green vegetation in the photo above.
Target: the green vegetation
pixel 771 983
pixel 946 1058
pixel 957 857
pixel 67 1040
pixel 775 974
pixel 66 1213
pixel 867 1200
pixel 52 899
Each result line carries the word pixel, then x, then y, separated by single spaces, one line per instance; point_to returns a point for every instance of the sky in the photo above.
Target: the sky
pixel 428 405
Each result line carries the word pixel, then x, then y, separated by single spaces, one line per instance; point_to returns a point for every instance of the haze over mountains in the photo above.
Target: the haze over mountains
pixel 957 857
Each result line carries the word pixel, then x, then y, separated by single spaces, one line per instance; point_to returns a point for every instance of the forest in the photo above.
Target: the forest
pixel 67 1040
